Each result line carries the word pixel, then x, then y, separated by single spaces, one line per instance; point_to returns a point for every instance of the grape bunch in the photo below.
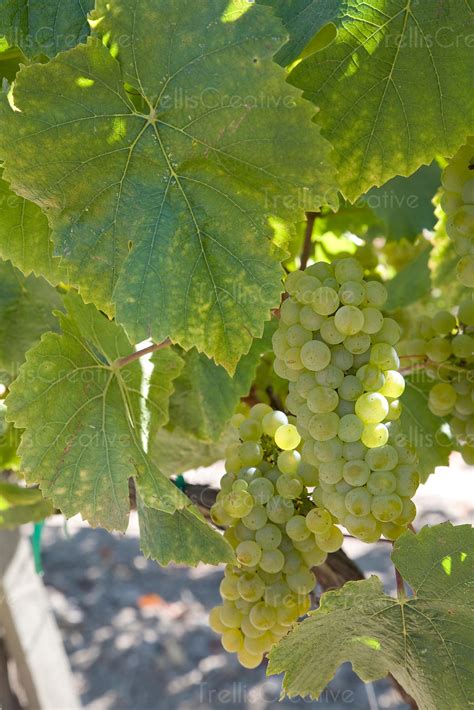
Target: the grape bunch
pixel 338 353
pixel 444 349
pixel 277 532
pixel 457 201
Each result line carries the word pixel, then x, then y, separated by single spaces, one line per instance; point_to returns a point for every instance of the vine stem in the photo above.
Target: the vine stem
pixel 305 254
pixel 124 361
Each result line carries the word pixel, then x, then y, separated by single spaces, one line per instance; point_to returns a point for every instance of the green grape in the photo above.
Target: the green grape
pixel 325 301
pixel 394 411
pixel 230 616
pixel 293 358
pixel 239 485
pixel 342 358
pixel 443 322
pixel 349 320
pixel 248 553
pixel 287 437
pixel 293 561
pixel 262 616
pixel 334 502
pixel 268 537
pixel 318 521
pixel 250 587
pixel 328 450
pixel 283 371
pixel 442 396
pixel 238 503
pixel 358 501
pixel 371 377
pixel 251 453
pixel 288 461
pixel 348 270
pixel 297 336
pixel 384 356
pixel 315 355
pixel 390 332
pixel 258 411
pixel 357 344
pixel 463 346
pixel 289 312
pixel 296 528
pixel 332 541
pixel 280 510
pixel 394 384
pixel 314 557
pixel 374 435
pixel 381 482
pixel 375 294
pixel 292 281
pixel 350 428
pixel 323 427
pixel 466 312
pixel 272 561
pixel 306 287
pixel 288 613
pixel 351 293
pixel 305 545
pixel 321 270
pixel 309 319
pixel 465 270
pixel 438 349
pixel 356 472
pixel 331 377
pixel 344 407
pixel 260 645
pixel 305 383
pixel 467 452
pixel 302 582
pixel 261 490
pixel 331 472
pixel 228 588
pixel 408 480
pixel 365 527
pixel 385 458
pixel 354 450
pixel 350 388
pixel 232 640
pixel 392 531
pixel 308 474
pixel 408 513
pixel 280 346
pixel 289 487
pixel 371 408
pixel 373 320
pixel 215 620
pixel 322 400
pixel 329 333
pixel 249 660
pixel 387 508
pixel 256 519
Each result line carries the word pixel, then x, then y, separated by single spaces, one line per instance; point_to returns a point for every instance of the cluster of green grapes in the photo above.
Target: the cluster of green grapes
pixel 277 532
pixel 337 351
pixel 444 349
pixel 457 201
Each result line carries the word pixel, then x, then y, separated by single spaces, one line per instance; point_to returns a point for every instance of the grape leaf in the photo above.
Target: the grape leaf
pixel 10 60
pixel 25 237
pixel 425 642
pixel 382 117
pixel 26 306
pixel 21 505
pixel 206 395
pixel 82 416
pixel 405 204
pixel 184 538
pixel 44 26
pixel 411 283
pixel 421 427
pixel 303 19
pixel 165 215
pixel 178 451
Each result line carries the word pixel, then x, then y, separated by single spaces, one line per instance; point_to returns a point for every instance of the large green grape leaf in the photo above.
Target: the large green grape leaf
pixel 44 26
pixel 178 451
pixel 411 283
pixel 303 19
pixel 421 427
pixel 184 538
pixel 405 204
pixel 206 395
pixel 83 420
pixel 26 306
pixel 165 215
pixel 394 88
pixel 426 642
pixel 25 237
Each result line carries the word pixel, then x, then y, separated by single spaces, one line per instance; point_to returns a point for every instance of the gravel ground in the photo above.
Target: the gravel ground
pixel 137 635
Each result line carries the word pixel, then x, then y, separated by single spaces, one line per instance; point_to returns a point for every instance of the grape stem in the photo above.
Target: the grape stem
pixel 306 251
pixel 124 361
